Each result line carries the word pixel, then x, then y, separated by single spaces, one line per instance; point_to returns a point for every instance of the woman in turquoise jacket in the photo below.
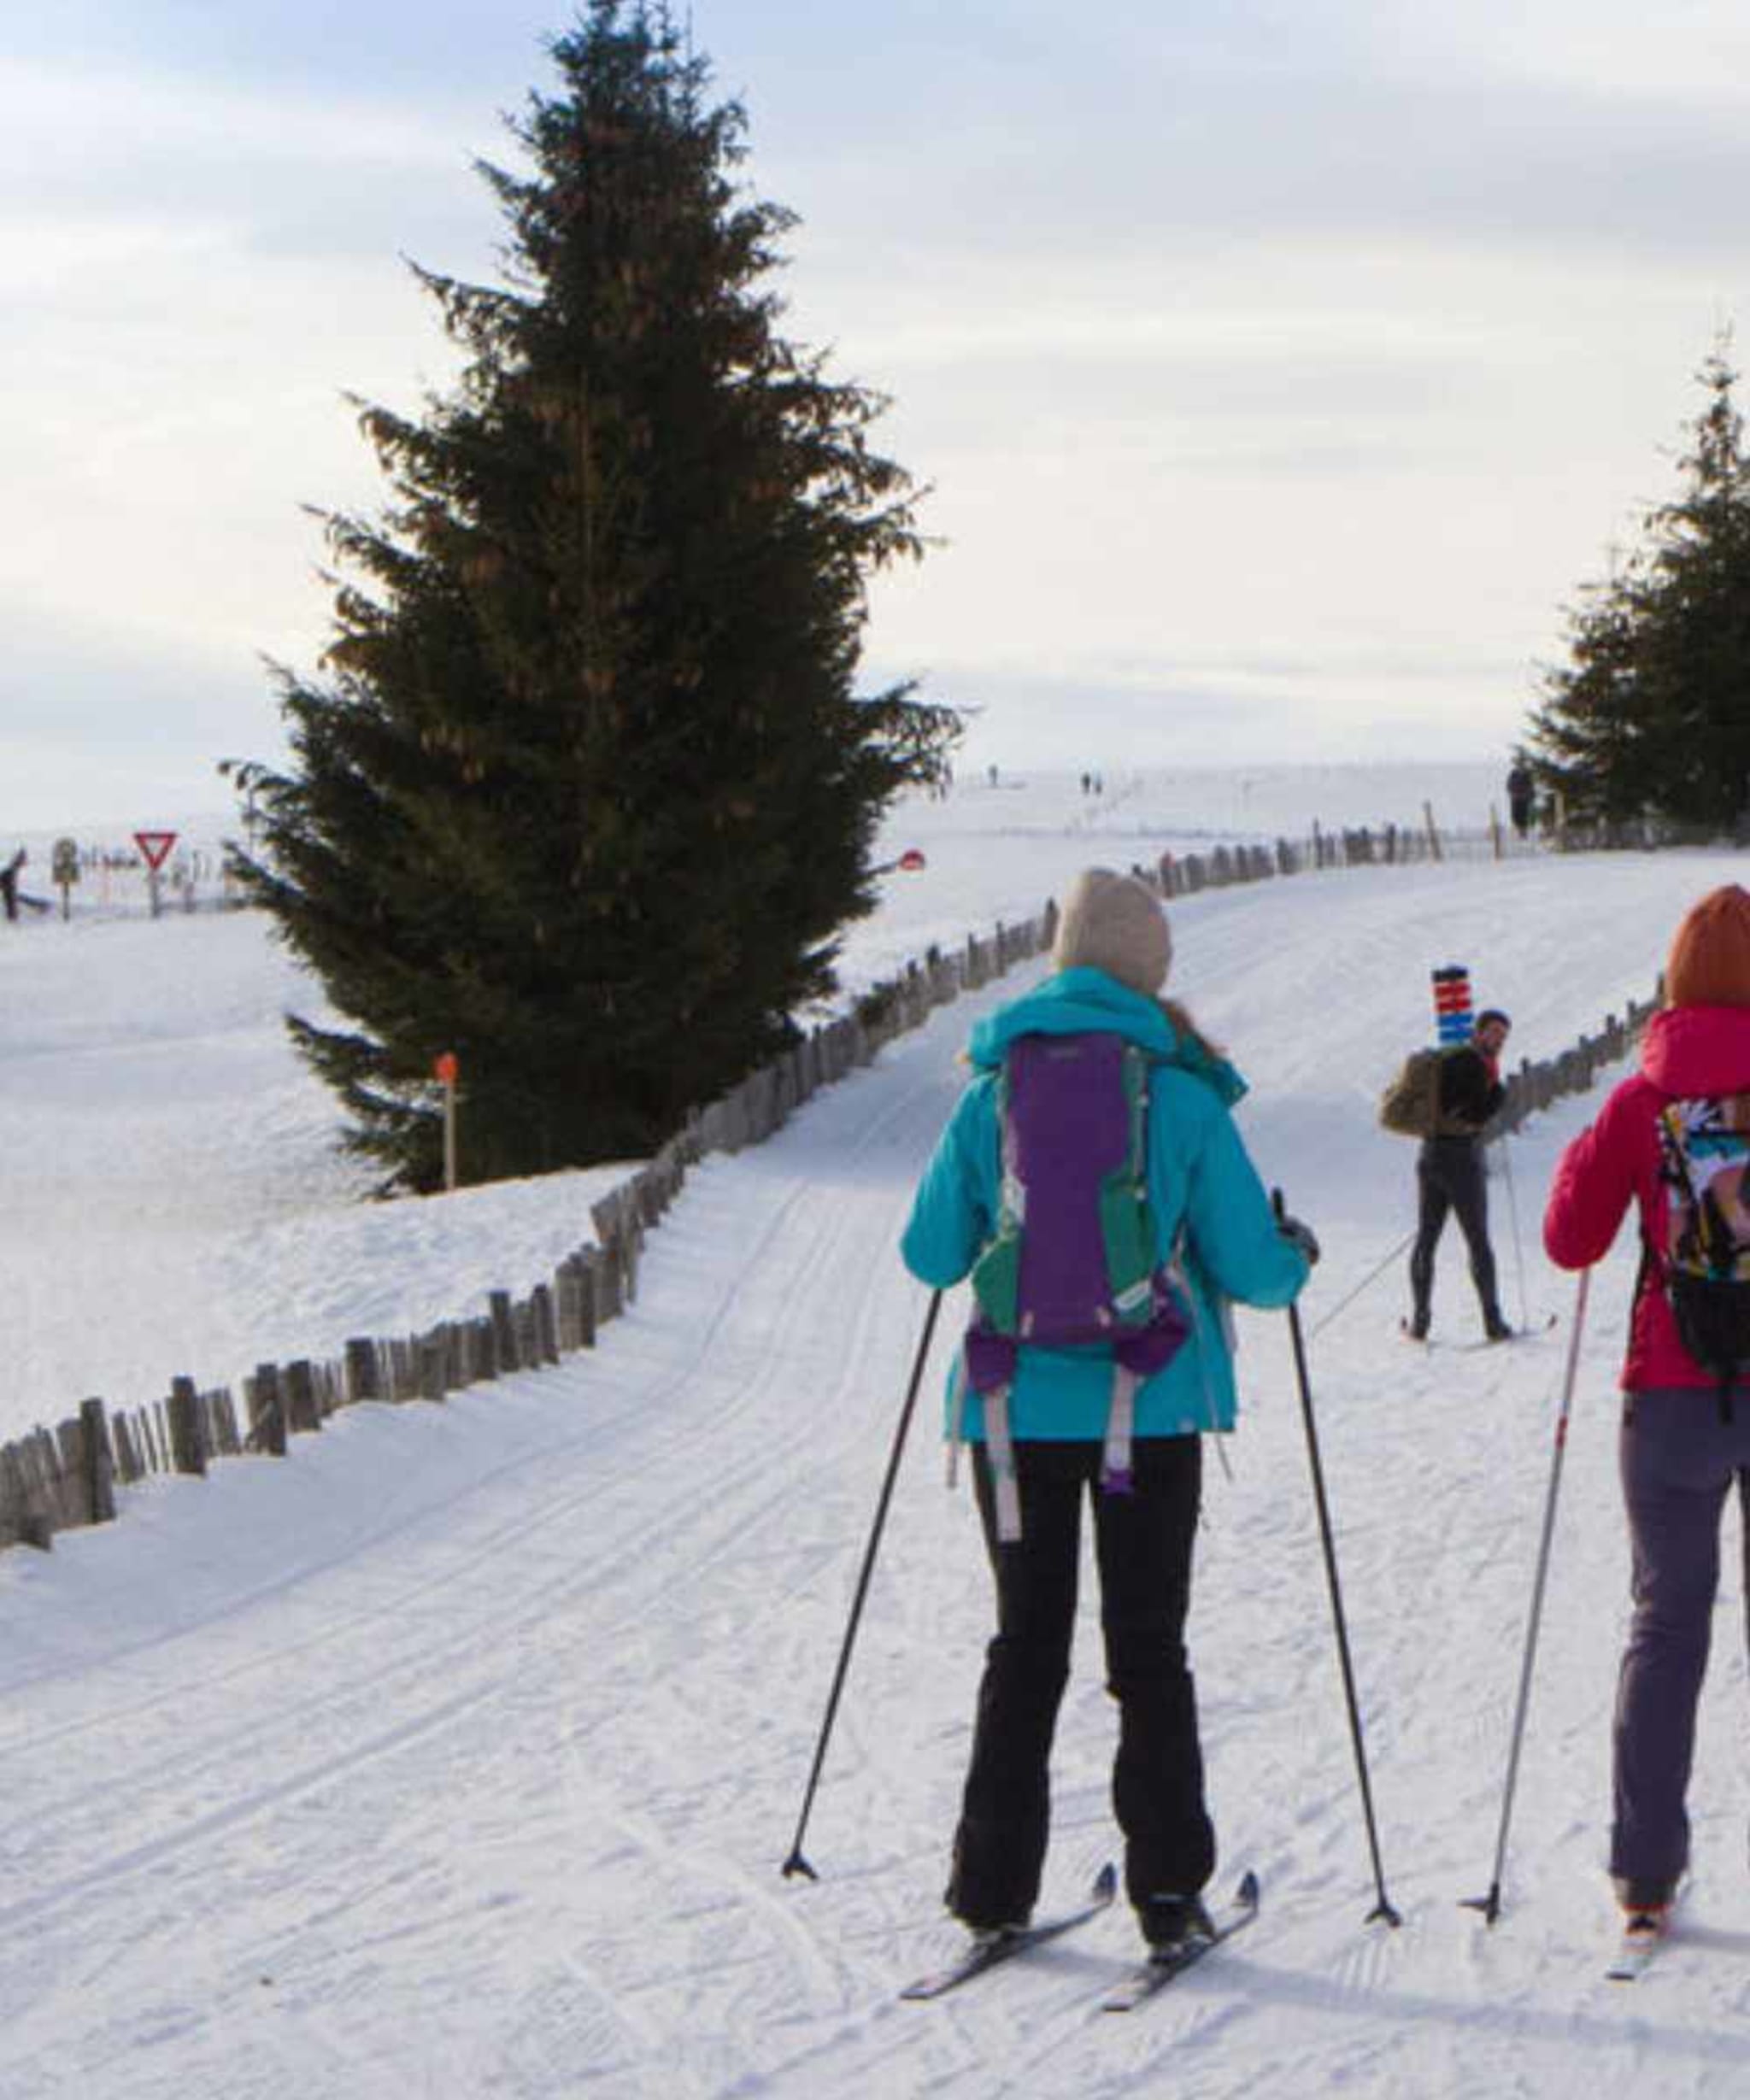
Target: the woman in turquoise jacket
pixel 1217 1239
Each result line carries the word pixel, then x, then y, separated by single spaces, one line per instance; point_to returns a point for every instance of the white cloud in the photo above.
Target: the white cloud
pixel 1295 361
pixel 1690 53
pixel 71 115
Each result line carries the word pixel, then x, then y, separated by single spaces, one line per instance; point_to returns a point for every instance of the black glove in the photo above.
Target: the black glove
pixel 1299 1235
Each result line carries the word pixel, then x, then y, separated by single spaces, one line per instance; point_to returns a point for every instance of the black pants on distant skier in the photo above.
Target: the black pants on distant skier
pixel 1142 1548
pixel 1449 1178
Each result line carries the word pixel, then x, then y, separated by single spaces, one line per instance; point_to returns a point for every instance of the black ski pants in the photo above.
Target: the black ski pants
pixel 1142 1545
pixel 1449 1178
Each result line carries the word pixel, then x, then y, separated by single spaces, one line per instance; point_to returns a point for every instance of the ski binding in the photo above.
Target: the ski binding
pixel 1166 1963
pixel 982 1954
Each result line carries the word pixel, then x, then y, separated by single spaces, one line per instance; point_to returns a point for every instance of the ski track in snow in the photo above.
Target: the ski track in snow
pixel 459 1753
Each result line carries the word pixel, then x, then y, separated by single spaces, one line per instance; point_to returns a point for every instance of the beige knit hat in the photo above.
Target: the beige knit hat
pixel 1114 923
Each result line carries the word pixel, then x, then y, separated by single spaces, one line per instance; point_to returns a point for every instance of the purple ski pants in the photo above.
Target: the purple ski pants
pixel 1678 1461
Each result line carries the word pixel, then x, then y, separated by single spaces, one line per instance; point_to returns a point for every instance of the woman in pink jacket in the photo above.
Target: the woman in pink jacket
pixel 1685 1435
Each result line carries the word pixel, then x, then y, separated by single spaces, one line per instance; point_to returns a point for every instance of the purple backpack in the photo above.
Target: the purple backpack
pixel 1073 1262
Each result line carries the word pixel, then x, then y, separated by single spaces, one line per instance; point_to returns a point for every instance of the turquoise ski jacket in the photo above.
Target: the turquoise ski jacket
pixel 1200 1179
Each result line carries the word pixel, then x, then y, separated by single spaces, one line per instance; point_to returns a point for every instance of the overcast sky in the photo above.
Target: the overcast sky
pixel 1282 367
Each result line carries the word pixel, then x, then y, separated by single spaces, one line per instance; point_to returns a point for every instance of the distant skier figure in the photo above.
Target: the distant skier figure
pixel 8 882
pixel 1094 1151
pixel 1684 1442
pixel 1522 794
pixel 1449 1175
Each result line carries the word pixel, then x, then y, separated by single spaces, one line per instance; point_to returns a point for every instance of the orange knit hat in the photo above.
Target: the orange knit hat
pixel 1709 965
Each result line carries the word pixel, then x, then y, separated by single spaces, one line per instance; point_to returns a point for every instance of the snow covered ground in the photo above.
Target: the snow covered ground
pixel 458 1753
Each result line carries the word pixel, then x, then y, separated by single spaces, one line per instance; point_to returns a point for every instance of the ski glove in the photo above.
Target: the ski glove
pixel 1299 1235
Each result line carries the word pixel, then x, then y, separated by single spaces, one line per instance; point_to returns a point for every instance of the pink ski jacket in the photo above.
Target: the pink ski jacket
pixel 1686 1051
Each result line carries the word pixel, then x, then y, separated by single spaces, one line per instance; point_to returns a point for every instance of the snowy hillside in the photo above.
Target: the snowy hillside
pixel 458 1753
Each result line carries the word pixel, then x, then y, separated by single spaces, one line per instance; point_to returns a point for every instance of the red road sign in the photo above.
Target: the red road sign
pixel 155 846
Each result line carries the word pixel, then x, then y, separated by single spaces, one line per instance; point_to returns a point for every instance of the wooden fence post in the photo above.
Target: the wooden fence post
pixel 300 1383
pixel 100 1464
pixel 23 1519
pixel 606 1270
pixel 266 1412
pixel 222 1415
pixel 128 1465
pixel 51 1483
pixel 568 1292
pixel 66 1452
pixel 35 1518
pixel 589 1298
pixel 364 1377
pixel 434 1365
pixel 546 1324
pixel 188 1442
pixel 504 1333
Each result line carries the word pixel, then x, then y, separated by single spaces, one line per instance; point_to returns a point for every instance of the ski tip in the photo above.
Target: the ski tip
pixel 1106 1883
pixel 1247 1893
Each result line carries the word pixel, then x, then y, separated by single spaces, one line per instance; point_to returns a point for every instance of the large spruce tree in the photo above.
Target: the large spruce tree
pixel 585 793
pixel 1651 714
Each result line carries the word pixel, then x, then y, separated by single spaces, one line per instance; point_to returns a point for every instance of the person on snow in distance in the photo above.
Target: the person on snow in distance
pixel 1522 794
pixel 1449 1172
pixel 1684 1439
pixel 1213 1234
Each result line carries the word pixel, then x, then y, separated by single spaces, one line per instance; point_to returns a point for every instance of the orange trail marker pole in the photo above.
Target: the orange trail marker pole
pixel 446 1070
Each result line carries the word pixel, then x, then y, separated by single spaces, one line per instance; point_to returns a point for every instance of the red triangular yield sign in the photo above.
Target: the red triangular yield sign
pixel 155 846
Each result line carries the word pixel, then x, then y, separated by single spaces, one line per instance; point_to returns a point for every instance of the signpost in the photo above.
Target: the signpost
pixel 155 849
pixel 65 869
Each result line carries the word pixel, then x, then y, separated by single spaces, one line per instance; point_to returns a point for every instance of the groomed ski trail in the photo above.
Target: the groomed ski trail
pixel 461 1749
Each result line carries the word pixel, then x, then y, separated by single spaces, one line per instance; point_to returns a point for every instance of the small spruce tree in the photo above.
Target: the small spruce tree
pixel 1651 715
pixel 587 794
pixel 1590 736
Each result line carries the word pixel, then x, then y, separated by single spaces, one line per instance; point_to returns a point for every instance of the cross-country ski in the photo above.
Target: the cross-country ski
pixel 988 1950
pixel 1155 1973
pixel 1533 1330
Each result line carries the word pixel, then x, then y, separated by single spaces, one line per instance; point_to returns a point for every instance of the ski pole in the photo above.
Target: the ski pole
pixel 1382 1908
pixel 1489 1905
pixel 1371 1277
pixel 1519 1250
pixel 796 1864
